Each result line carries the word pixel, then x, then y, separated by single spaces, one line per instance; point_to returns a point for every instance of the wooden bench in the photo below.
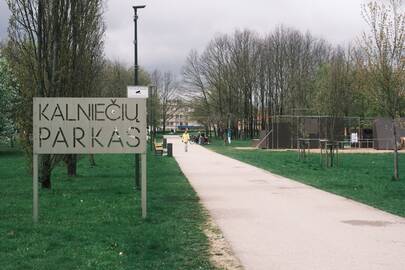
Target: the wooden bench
pixel 158 148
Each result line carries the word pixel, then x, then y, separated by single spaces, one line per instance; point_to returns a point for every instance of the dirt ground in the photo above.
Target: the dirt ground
pixel 221 253
pixel 359 151
pixel 342 151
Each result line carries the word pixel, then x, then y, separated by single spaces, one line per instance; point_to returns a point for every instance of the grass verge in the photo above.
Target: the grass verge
pixel 93 221
pixel 362 177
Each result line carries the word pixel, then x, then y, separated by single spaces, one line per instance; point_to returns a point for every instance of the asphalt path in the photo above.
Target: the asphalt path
pixel 272 222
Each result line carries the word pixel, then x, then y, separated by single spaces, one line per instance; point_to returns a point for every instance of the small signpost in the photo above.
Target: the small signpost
pixel 137 91
pixel 140 92
pixel 89 126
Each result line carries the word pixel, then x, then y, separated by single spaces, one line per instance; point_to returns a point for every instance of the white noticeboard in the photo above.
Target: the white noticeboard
pixel 354 138
pixel 137 91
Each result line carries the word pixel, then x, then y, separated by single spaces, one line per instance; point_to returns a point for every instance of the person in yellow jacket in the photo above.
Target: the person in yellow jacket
pixel 185 138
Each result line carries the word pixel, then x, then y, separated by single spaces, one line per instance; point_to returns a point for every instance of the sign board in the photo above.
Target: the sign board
pixel 354 138
pixel 137 92
pixel 89 125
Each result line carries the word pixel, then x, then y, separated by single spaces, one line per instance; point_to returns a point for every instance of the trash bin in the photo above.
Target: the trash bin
pixel 169 149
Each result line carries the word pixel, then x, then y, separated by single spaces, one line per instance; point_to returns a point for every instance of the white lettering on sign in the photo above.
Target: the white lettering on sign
pixel 89 125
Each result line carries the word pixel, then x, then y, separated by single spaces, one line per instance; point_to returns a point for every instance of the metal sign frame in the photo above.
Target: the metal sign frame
pixel 75 126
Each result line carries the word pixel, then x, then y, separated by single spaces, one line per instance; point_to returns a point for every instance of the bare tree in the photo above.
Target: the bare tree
pixel 244 79
pixel 169 99
pixel 384 49
pixel 334 85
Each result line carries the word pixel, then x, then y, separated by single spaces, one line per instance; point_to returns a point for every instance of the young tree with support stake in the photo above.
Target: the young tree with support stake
pixel 384 49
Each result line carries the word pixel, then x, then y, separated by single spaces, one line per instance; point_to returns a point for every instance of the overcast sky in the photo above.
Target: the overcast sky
pixel 169 29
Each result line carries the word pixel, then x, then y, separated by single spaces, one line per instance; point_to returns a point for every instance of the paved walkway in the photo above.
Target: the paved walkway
pixel 275 223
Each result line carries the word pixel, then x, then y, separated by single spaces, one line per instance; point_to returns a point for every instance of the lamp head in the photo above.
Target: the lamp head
pixel 138 7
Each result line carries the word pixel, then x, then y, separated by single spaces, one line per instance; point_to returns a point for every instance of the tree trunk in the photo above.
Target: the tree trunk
pixel 45 173
pixel 71 164
pixel 396 156
pixel 12 141
pixel 92 160
pixel 46 181
pixel 164 123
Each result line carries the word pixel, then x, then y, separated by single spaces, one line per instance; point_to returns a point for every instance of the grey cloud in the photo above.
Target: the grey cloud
pixel 4 15
pixel 168 30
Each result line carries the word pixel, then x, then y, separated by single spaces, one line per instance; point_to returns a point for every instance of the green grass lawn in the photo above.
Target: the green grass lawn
pixel 362 177
pixel 94 221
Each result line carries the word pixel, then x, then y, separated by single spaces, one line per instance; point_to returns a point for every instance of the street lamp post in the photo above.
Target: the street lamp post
pixel 136 82
pixel 151 111
pixel 136 66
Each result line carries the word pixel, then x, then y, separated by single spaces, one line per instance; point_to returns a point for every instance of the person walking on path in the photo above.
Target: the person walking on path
pixel 185 139
pixel 229 133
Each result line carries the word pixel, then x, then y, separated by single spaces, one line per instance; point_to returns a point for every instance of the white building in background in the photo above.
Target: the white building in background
pixel 181 120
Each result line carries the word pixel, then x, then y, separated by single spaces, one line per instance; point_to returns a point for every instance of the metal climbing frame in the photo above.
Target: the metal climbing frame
pixel 287 131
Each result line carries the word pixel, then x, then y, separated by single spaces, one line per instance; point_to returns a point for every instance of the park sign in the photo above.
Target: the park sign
pixel 89 125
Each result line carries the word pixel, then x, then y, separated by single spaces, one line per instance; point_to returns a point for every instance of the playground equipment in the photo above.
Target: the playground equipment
pixel 383 133
pixel 287 131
